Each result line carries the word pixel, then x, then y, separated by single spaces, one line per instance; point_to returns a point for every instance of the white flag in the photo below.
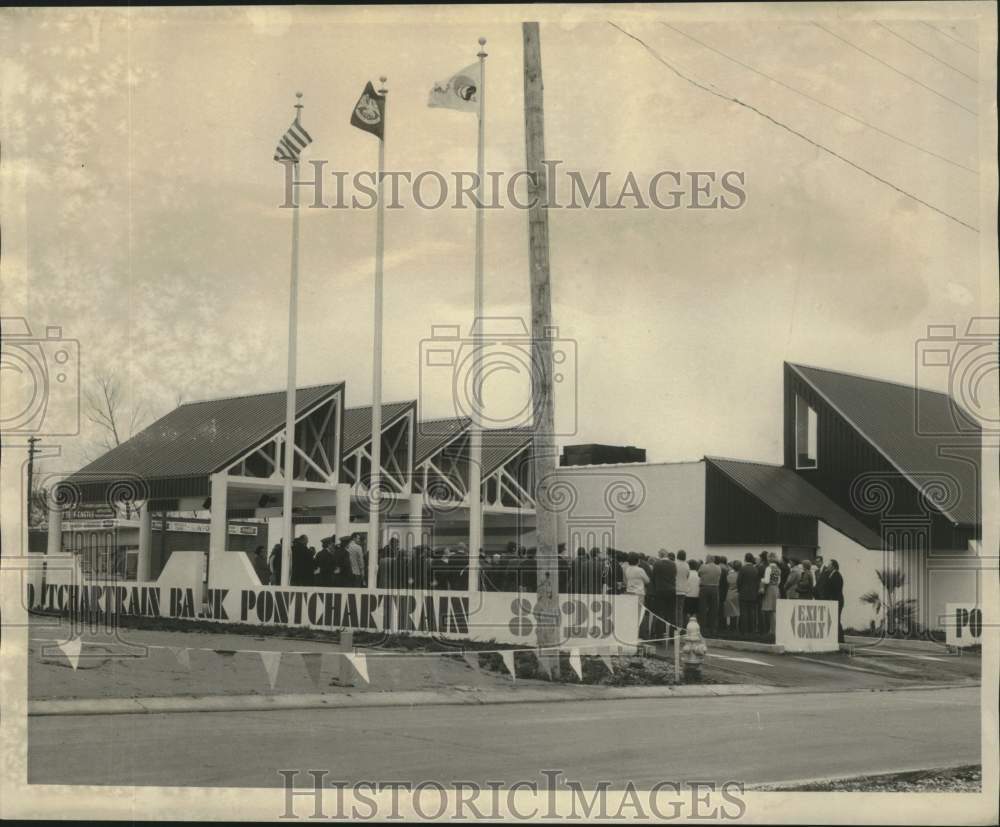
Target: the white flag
pixel 460 91
pixel 71 649
pixel 360 665
pixel 608 662
pixel 508 661
pixel 574 661
pixel 271 661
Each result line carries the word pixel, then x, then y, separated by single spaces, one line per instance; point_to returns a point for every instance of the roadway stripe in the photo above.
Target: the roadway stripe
pixel 835 665
pixel 900 654
pixel 740 660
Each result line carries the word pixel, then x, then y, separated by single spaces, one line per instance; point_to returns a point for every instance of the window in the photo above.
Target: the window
pixel 805 434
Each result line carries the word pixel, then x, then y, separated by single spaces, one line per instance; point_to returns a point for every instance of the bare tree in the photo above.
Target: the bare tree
pixel 38 497
pixel 107 407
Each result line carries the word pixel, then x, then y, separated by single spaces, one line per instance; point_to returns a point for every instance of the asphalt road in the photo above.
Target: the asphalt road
pixel 764 739
pixel 877 666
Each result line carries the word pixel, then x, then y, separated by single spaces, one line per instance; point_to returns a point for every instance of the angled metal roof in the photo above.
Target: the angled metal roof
pixel 785 492
pixel 358 422
pixel 433 434
pixel 886 415
pixel 501 444
pixel 199 438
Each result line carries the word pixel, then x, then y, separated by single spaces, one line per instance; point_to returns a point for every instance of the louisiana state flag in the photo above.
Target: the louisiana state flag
pixel 460 91
pixel 369 112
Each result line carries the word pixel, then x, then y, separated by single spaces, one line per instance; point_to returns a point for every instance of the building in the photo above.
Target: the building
pixel 108 546
pixel 876 475
pixel 226 457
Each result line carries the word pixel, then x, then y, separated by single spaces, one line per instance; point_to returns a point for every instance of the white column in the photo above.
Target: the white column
pixel 217 533
pixel 416 512
pixel 144 567
pixel 343 510
pixel 55 530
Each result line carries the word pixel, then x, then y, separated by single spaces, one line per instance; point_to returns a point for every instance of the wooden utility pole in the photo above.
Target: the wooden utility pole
pixel 32 450
pixel 542 332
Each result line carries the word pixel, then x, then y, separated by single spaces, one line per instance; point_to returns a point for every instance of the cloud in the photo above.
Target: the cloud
pixel 272 21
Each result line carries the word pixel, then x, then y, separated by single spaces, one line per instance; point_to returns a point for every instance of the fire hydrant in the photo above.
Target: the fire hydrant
pixel 693 651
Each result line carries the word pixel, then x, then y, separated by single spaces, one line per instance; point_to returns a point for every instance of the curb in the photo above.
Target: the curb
pixel 745 645
pixel 261 703
pixel 267 703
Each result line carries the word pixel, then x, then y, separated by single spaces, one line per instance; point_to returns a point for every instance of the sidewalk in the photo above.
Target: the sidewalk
pixel 539 692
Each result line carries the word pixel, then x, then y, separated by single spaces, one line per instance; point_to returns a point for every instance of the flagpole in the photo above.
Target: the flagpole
pixel 375 480
pixel 476 433
pixel 293 312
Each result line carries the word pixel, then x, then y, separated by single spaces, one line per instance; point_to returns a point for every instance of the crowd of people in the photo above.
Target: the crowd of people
pixel 738 596
pixel 341 564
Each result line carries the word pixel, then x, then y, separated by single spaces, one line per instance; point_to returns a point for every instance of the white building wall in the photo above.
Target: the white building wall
pixel 954 577
pixel 857 567
pixel 935 578
pixel 645 507
pixel 633 507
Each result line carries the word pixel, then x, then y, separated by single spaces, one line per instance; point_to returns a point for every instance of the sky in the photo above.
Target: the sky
pixel 137 151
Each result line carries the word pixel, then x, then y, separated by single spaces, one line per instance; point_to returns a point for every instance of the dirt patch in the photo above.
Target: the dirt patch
pixel 967 779
pixel 625 671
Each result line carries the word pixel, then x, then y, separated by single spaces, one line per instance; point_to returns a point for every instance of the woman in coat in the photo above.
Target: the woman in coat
pixel 731 607
pixel 693 590
pixel 769 594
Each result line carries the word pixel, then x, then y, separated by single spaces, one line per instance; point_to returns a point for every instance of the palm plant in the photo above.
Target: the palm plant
pixel 893 612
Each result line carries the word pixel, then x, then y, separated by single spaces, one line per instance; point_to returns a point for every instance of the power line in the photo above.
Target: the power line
pixel 942 32
pixel 929 54
pixel 897 71
pixel 787 128
pixel 823 103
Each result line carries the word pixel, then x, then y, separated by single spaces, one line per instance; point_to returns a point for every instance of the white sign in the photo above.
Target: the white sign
pixel 91 525
pixel 203 528
pixel 963 625
pixel 807 625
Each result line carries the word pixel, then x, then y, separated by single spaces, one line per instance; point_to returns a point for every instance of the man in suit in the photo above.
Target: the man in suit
pixel 822 574
pixel 341 563
pixel 835 591
pixel 356 556
pixel 665 586
pixel 302 562
pixel 748 587
pixel 275 561
pixel 580 574
pixel 325 564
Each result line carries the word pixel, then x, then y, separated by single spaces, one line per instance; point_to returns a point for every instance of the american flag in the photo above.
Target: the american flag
pixel 292 143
